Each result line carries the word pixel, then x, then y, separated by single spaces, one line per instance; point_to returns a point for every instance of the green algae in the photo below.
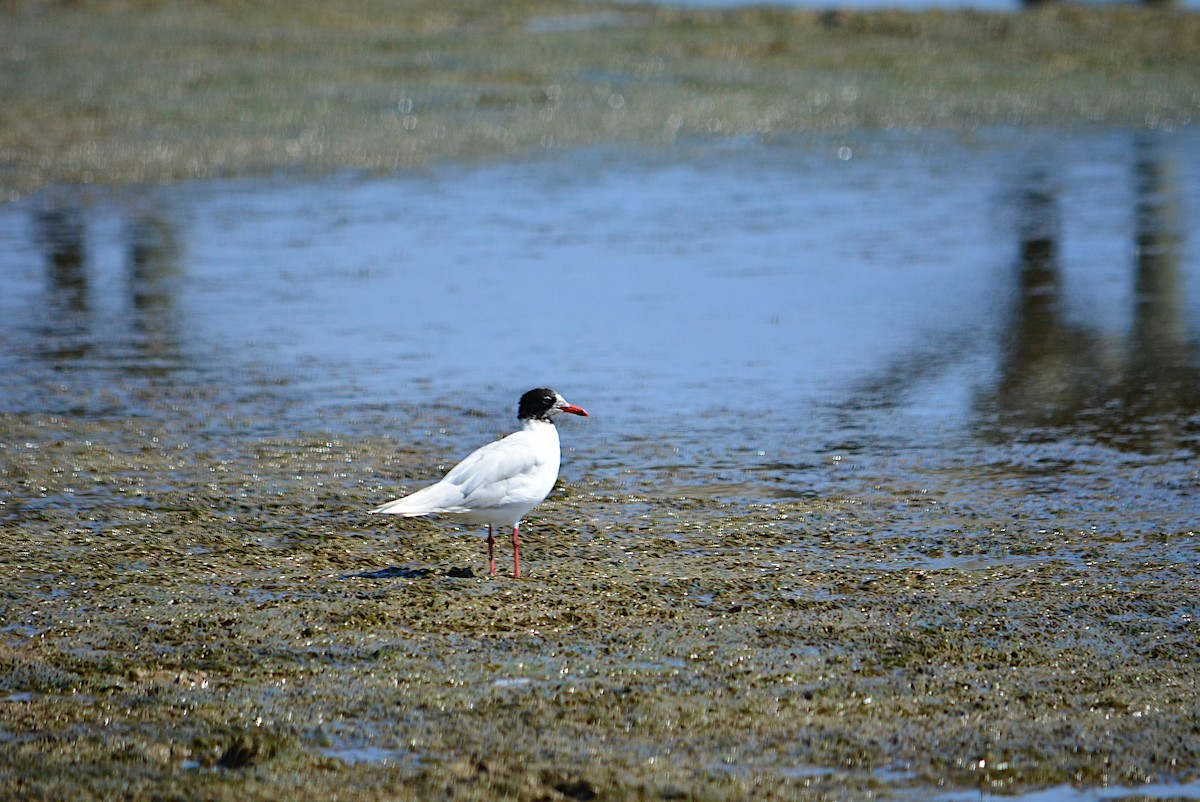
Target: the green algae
pixel 163 91
pixel 243 627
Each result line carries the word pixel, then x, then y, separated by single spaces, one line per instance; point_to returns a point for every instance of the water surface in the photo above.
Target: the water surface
pixel 761 319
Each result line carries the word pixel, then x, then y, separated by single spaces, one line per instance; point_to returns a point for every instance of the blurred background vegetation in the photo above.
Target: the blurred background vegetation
pixel 152 91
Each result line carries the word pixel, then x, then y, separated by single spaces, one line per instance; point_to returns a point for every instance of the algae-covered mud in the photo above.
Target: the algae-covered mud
pixel 191 619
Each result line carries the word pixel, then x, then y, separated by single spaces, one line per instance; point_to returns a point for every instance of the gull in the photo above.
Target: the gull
pixel 499 483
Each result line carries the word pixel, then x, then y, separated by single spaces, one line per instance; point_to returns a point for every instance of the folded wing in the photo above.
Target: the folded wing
pixel 500 474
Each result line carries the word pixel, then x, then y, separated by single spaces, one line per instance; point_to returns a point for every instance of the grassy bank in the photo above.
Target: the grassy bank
pixel 163 91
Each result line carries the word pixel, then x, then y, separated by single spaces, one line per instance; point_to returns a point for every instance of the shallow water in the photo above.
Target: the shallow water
pixel 1002 317
pixel 1066 793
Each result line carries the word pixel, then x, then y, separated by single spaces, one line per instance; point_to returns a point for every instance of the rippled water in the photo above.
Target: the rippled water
pixel 1003 309
pixel 1069 794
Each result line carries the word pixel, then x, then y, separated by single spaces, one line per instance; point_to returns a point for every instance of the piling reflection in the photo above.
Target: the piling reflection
pixel 1163 358
pixel 153 270
pixel 129 323
pixel 60 235
pixel 1135 391
pixel 1049 366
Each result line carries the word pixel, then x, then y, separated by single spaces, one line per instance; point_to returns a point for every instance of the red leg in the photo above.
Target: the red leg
pixel 491 553
pixel 516 553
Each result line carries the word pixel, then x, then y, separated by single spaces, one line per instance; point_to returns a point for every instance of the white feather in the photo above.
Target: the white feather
pixel 496 484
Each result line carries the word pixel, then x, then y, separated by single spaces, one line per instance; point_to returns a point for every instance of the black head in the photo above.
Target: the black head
pixel 543 402
pixel 537 404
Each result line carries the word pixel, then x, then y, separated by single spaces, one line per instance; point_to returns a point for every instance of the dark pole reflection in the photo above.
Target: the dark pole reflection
pixel 1048 366
pixel 127 322
pixel 1056 376
pixel 1163 369
pixel 153 268
pixel 60 233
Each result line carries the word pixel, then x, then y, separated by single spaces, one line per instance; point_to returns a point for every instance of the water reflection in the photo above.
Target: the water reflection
pixel 1134 391
pixel 60 235
pixel 1163 363
pixel 860 296
pixel 153 268
pixel 129 321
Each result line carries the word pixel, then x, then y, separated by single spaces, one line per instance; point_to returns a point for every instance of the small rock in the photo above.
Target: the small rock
pixel 576 788
pixel 246 750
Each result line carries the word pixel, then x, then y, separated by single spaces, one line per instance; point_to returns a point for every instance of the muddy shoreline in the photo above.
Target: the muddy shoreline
pixel 182 622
